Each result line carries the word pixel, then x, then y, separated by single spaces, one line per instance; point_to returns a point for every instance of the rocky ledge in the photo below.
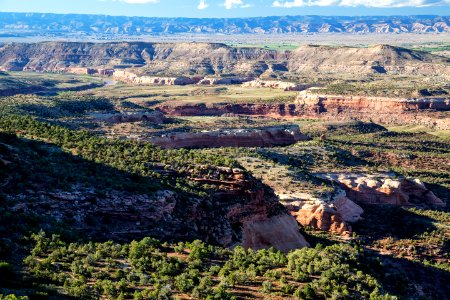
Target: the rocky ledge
pixel 339 210
pixel 265 137
pixel 130 77
pixel 317 103
pixel 430 112
pixel 274 84
pixel 384 188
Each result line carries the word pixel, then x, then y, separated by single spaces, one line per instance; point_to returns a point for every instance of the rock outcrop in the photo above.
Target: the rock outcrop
pixel 266 137
pixel 312 103
pixel 286 86
pixel 336 213
pixel 224 80
pixel 280 232
pixel 130 77
pixel 333 213
pixel 385 188
pixel 334 209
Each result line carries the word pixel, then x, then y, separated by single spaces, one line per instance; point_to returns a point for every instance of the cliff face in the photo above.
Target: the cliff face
pixel 425 111
pixel 384 189
pixel 238 210
pixel 203 59
pixel 274 136
pixel 149 58
pixel 334 104
pixel 338 212
pixel 430 112
pixel 272 109
pixel 133 78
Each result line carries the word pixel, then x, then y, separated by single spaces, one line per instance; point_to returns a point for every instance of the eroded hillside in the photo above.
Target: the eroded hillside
pixel 203 59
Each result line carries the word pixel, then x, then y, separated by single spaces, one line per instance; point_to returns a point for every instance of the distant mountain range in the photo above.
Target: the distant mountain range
pixel 38 24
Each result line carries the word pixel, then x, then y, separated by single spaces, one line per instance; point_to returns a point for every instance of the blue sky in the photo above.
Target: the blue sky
pixel 230 8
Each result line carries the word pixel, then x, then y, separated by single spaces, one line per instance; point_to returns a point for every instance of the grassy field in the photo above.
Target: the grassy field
pixel 45 83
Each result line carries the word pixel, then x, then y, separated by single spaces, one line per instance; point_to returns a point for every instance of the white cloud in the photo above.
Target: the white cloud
pixel 367 3
pixel 229 4
pixel 202 5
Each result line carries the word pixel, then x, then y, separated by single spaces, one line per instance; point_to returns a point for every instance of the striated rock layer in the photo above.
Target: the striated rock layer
pixel 207 59
pixel 420 111
pixel 272 136
pixel 335 104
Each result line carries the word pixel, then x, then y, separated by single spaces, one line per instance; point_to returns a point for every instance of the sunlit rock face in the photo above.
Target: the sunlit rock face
pixel 385 188
pixel 272 136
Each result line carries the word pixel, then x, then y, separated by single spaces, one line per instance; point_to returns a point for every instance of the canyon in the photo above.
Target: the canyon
pixel 239 212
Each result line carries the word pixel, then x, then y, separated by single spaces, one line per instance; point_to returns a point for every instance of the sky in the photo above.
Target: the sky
pixel 230 8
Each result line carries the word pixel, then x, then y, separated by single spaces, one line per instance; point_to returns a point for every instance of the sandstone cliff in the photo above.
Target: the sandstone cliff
pixel 334 104
pixel 130 77
pixel 430 112
pixel 265 137
pixel 336 213
pixel 286 86
pixel 385 188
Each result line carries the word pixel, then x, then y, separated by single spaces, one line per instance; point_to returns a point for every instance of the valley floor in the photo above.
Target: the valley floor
pixel 91 209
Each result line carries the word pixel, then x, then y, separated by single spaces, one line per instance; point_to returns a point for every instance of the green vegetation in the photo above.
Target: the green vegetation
pixel 147 269
pixel 433 47
pixel 130 156
pixel 380 86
